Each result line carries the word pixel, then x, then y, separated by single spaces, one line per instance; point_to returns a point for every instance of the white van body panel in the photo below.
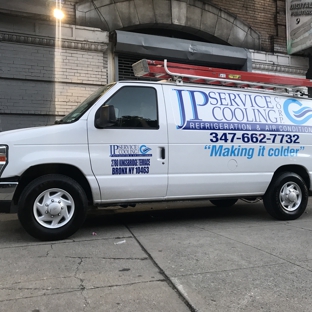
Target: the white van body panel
pixel 114 164
pixel 58 144
pixel 133 142
pixel 51 144
pixel 212 142
pixel 200 164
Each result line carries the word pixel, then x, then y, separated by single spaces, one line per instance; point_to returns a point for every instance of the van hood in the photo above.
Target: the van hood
pixel 74 133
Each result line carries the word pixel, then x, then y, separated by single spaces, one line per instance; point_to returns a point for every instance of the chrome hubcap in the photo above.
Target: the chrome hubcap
pixel 53 208
pixel 290 196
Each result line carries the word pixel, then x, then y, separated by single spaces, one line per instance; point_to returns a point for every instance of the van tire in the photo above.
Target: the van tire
pixel 222 203
pixel 52 207
pixel 287 197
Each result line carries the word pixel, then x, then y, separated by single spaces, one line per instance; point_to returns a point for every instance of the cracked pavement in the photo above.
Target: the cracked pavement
pixel 197 259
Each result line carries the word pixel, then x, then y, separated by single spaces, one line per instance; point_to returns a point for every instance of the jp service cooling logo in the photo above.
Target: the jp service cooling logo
pixel 144 149
pixel 296 113
pixel 129 150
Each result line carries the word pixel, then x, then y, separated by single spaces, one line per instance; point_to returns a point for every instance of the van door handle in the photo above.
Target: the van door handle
pixel 162 153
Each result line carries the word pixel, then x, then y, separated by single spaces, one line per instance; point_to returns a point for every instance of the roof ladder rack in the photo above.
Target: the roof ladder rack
pixel 217 76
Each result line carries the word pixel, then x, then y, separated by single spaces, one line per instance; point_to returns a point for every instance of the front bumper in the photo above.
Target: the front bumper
pixel 7 190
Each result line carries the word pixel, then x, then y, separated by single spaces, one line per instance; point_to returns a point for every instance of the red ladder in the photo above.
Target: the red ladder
pixel 217 76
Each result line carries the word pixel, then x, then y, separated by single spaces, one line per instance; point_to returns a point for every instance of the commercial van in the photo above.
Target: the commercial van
pixel 219 136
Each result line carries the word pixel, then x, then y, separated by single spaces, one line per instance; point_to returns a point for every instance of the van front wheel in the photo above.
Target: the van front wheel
pixel 287 197
pixel 52 207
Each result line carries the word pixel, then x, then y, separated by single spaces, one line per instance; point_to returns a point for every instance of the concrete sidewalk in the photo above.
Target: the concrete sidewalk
pixel 198 259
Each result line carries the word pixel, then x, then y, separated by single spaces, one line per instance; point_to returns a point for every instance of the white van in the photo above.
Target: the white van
pixel 141 141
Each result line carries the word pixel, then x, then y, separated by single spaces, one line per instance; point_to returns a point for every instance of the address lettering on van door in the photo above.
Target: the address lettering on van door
pixel 240 111
pixel 130 159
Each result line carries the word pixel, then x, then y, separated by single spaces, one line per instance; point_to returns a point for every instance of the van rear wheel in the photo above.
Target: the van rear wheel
pixel 52 207
pixel 222 203
pixel 287 197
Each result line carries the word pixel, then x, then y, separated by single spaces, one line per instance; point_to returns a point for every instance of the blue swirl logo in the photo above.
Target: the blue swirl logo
pixel 144 149
pixel 299 115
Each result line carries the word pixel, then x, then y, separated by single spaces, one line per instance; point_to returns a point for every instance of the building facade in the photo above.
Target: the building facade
pixel 48 66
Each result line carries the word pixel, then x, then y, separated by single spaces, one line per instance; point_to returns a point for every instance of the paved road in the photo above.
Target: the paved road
pixel 197 259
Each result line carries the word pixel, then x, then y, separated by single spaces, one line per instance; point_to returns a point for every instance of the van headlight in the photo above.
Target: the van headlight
pixel 3 157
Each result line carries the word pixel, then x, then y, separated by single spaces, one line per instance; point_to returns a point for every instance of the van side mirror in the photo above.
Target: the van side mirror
pixel 105 117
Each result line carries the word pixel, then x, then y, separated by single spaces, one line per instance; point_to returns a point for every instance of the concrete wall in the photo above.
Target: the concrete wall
pixel 265 17
pixel 194 17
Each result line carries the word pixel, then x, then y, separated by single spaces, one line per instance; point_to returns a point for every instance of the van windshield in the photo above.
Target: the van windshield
pixel 85 105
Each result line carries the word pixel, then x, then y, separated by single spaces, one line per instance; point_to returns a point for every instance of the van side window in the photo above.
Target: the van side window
pixel 135 107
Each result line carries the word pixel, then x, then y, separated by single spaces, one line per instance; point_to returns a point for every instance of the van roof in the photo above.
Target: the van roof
pixel 205 86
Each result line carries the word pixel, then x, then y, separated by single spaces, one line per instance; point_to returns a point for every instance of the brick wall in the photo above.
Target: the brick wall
pixel 279 40
pixel 41 98
pixel 261 15
pixel 46 63
pixel 45 83
pixel 9 122
pixel 69 10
